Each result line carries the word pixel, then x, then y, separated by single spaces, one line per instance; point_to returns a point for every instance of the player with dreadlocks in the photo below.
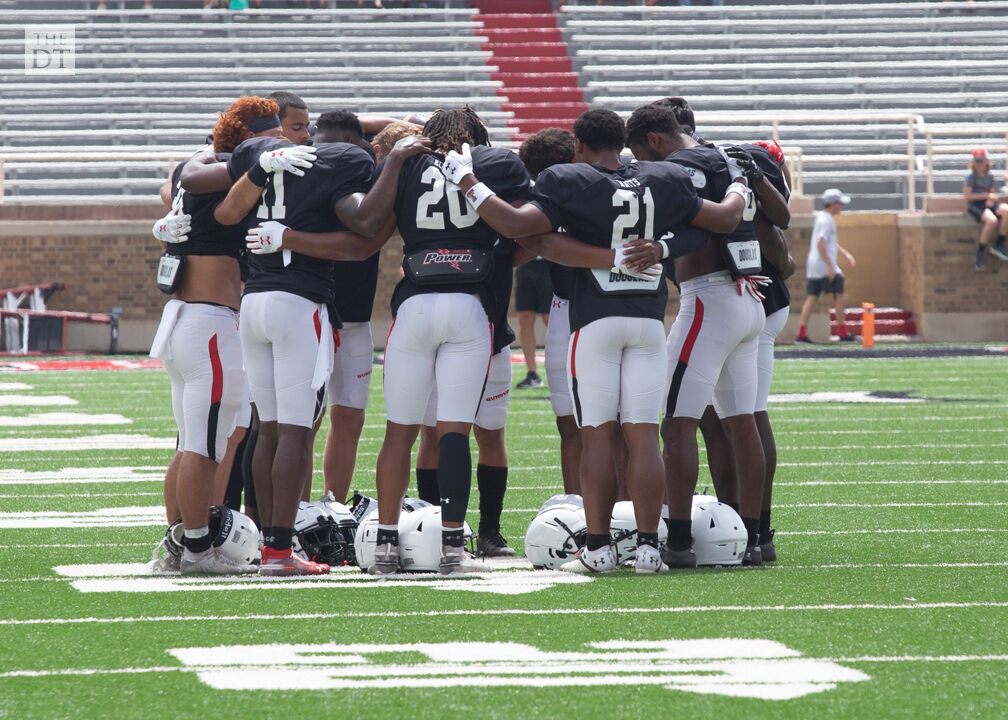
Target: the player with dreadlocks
pixel 441 329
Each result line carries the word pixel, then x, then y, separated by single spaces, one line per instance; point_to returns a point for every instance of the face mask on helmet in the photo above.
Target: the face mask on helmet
pixel 324 532
pixel 555 535
pixel 235 535
pixel 623 532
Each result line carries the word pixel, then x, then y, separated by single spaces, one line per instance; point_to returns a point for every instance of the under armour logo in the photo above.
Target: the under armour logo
pixel 445 501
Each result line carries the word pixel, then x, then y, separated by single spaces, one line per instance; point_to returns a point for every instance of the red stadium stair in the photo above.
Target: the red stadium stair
pixel 888 322
pixel 539 85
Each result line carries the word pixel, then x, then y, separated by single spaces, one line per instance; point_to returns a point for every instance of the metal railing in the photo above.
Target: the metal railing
pixel 937 140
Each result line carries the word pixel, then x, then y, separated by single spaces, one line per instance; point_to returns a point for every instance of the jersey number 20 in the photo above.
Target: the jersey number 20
pixel 428 218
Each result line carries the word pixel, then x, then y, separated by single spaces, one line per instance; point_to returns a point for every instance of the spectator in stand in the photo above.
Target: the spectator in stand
pixel 986 207
pixel 822 274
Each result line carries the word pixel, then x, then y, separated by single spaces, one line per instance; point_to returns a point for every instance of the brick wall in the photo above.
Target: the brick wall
pixel 920 262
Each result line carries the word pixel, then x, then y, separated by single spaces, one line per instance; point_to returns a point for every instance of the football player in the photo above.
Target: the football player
pixel 772 214
pixel 617 350
pixel 293 116
pixel 441 330
pixel 491 417
pixel 286 331
pixel 713 343
pixel 198 344
pixel 539 151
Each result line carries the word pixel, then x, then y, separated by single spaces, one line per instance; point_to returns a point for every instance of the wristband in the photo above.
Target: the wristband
pixel 739 189
pixel 477 194
pixel 257 175
pixel 664 249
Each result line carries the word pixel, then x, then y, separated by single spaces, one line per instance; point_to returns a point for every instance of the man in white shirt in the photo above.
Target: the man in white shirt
pixel 822 274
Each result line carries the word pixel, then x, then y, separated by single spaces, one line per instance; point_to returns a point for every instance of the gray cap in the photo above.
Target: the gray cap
pixel 833 195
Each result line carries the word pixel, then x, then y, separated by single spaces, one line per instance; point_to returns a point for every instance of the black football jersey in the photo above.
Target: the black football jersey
pixel 777 296
pixel 430 215
pixel 711 178
pixel 354 285
pixel 560 277
pixel 206 235
pixel 305 203
pixel 608 208
pixel 501 283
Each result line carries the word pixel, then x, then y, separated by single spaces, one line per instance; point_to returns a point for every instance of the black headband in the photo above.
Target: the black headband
pixel 262 124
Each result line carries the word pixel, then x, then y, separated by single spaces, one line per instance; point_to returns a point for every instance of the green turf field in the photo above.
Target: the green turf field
pixel 890 598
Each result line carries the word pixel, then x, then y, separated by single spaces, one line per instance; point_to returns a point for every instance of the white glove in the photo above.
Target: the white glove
pixel 734 170
pixel 457 165
pixel 172 228
pixel 288 159
pixel 619 266
pixel 752 284
pixel 265 238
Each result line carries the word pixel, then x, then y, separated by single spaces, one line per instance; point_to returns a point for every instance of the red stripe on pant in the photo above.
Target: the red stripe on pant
pixel 574 382
pixel 684 356
pixel 216 392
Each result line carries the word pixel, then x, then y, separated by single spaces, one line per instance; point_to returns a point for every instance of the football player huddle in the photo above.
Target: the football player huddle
pixel 271 258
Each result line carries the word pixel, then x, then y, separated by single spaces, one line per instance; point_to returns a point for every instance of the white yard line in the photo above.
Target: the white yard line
pixel 571 612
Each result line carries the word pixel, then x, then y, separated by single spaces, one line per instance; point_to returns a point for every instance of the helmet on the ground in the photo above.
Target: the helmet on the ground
pixel 572 499
pixel 420 538
pixel 719 536
pixel 324 531
pixel 364 539
pixel 234 535
pixel 555 534
pixel 623 531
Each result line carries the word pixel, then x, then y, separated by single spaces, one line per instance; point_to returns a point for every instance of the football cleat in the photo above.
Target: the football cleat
pixel 456 561
pixel 767 550
pixel 679 558
pixel 849 338
pixel 591 561
pixel 648 560
pixel 805 340
pixel 493 545
pixel 753 557
pixel 283 563
pixel 386 560
pixel 213 562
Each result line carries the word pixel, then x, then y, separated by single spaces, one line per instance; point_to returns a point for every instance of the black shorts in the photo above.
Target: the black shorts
pixel 977 210
pixel 533 288
pixel 818 286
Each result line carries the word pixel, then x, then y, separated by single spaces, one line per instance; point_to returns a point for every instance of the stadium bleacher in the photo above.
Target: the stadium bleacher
pixel 934 60
pixel 148 83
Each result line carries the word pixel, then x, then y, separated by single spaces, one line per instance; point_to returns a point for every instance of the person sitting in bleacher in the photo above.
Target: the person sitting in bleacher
pixel 986 206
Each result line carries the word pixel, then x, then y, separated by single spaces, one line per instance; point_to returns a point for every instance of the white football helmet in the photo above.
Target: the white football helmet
pixel 419 537
pixel 573 499
pixel 555 534
pixel 235 535
pixel 719 536
pixel 324 532
pixel 623 531
pixel 364 539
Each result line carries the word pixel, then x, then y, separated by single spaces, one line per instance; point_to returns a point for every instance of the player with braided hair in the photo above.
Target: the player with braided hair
pixel 450 129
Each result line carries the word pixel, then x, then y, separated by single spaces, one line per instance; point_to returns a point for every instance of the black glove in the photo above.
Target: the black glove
pixel 746 164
